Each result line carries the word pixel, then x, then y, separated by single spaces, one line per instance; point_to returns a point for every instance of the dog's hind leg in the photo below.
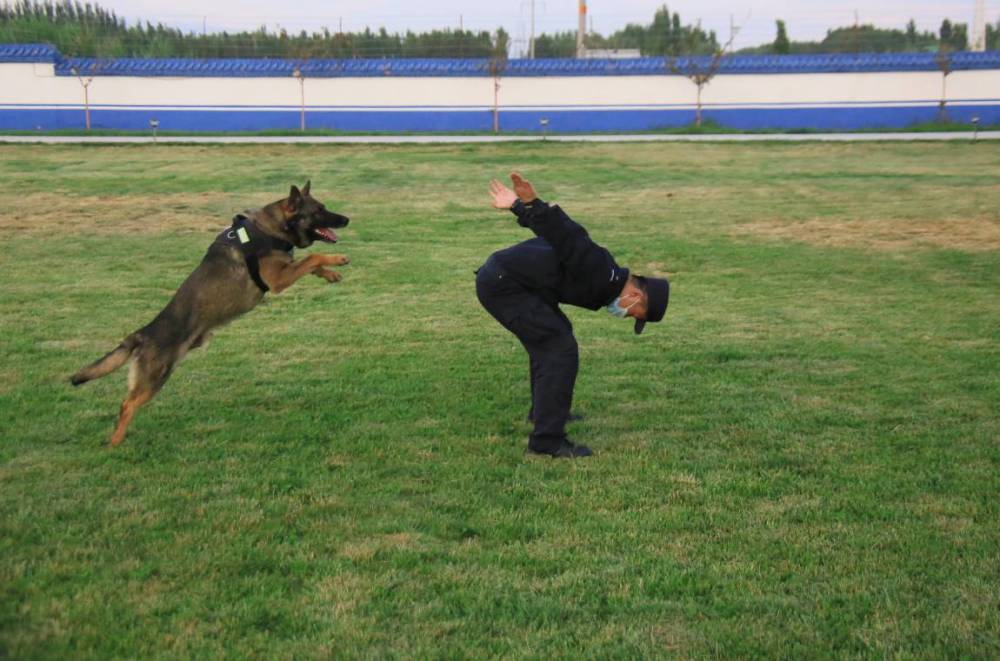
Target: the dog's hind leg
pixel 145 378
pixel 201 341
pixel 131 404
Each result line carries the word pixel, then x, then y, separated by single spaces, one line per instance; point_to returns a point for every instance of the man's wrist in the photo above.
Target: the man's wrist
pixel 519 207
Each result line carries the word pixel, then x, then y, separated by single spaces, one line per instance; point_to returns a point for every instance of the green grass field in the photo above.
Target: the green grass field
pixel 802 461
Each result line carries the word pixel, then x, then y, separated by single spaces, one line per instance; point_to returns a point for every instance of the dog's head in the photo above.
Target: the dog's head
pixel 306 219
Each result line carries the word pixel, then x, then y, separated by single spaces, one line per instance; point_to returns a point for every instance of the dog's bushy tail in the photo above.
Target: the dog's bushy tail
pixel 110 362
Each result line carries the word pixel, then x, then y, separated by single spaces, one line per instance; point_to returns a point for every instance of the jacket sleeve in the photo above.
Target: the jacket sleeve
pixel 571 242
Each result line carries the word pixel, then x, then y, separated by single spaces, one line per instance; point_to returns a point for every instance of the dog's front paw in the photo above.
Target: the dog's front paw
pixel 331 276
pixel 338 260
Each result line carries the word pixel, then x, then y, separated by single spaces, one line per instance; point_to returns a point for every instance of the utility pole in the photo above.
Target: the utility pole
pixel 531 37
pixel 854 33
pixel 531 44
pixel 979 28
pixel 581 30
pixel 734 30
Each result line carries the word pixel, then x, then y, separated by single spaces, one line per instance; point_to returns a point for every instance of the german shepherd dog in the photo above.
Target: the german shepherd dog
pixel 245 261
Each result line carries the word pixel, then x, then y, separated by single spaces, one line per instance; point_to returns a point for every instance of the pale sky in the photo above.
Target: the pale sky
pixel 806 19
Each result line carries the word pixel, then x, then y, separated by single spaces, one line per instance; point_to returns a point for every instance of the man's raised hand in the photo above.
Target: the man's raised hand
pixel 503 197
pixel 525 191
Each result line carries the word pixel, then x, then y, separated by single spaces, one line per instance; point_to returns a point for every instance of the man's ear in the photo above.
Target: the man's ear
pixel 305 189
pixel 638 293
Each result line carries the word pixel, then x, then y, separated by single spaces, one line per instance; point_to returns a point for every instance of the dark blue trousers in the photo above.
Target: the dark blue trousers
pixel 547 336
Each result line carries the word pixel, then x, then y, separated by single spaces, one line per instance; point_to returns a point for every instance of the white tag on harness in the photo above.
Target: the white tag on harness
pixel 242 233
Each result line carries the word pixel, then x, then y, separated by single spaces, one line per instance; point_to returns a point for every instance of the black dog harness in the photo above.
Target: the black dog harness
pixel 254 244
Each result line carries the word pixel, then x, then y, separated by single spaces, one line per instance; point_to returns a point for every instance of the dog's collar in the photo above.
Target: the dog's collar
pixel 252 239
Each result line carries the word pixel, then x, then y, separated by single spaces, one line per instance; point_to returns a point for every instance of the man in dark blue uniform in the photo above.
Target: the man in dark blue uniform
pixel 522 287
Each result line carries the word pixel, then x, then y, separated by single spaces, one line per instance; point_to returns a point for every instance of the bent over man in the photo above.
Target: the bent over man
pixel 522 287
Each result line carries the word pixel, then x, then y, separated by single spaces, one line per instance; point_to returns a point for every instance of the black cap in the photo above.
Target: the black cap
pixel 657 297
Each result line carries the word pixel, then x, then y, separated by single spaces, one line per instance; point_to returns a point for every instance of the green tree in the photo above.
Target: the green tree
pixel 945 33
pixel 559 44
pixel 89 30
pixel 953 36
pixel 781 44
pixel 993 36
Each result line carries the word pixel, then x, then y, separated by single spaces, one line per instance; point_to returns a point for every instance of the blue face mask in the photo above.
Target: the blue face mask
pixel 615 308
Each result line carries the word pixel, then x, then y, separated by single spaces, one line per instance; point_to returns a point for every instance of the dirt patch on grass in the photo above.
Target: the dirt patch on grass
pixel 969 234
pixel 53 214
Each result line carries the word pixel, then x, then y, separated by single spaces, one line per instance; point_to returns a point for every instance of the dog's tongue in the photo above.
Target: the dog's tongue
pixel 326 234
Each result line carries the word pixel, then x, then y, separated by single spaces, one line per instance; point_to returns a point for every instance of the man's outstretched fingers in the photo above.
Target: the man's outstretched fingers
pixel 525 191
pixel 503 197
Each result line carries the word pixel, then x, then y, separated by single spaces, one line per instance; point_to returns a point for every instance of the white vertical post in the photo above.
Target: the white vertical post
pixel 978 43
pixel 531 42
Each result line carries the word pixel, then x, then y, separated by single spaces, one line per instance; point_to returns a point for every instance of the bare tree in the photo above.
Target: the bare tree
pixel 303 52
pixel 85 83
pixel 498 64
pixel 943 60
pixel 701 73
pixel 297 74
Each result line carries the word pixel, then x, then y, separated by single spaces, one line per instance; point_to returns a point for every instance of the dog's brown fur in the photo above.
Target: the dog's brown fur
pixel 217 291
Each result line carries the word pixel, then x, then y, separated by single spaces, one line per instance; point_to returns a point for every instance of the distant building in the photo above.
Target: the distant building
pixel 612 54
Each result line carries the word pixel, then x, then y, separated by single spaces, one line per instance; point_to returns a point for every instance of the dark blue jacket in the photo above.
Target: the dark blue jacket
pixel 562 263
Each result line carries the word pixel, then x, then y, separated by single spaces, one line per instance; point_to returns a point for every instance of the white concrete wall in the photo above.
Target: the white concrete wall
pixel 37 84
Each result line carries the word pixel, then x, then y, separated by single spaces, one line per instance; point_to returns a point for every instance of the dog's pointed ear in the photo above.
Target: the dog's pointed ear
pixel 294 200
pixel 305 189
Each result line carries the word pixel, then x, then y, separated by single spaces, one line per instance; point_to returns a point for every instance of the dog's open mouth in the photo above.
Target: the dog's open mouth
pixel 325 234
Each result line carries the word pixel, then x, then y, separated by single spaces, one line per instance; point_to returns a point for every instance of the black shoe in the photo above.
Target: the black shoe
pixel 566 450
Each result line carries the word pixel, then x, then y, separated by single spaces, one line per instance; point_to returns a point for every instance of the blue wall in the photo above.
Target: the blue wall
pixel 560 121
